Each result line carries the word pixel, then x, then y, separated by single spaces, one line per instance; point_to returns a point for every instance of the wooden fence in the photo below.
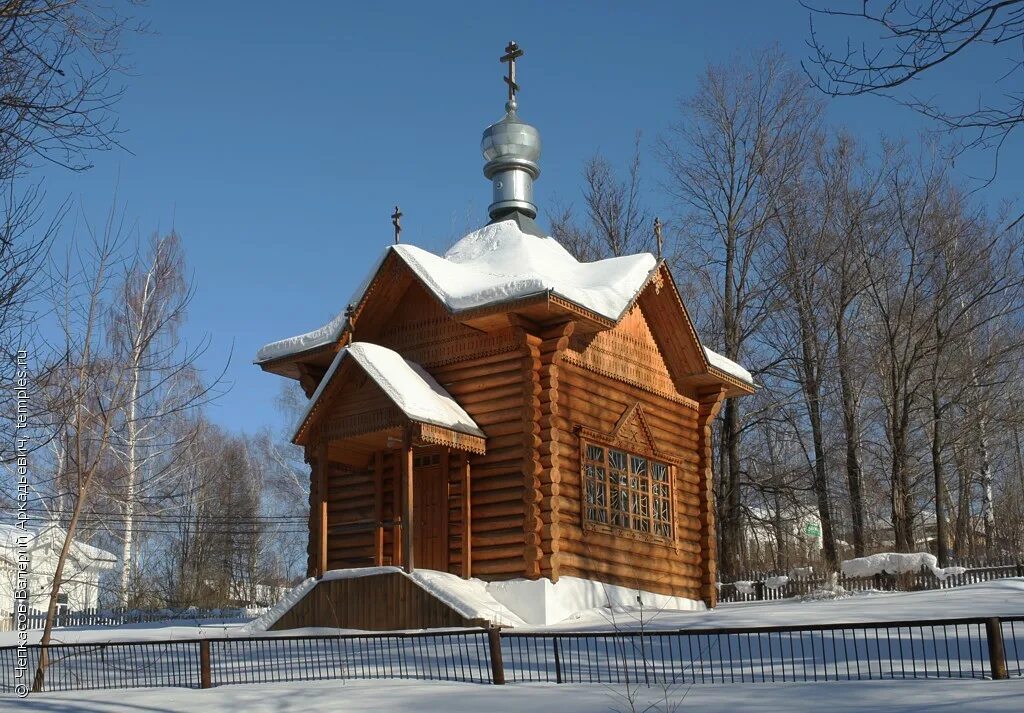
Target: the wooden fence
pixel 758 589
pixel 106 617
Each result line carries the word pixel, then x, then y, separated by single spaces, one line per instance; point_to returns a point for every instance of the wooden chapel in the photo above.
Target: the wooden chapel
pixel 504 411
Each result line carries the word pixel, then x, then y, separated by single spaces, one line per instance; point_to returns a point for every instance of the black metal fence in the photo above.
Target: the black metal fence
pixel 965 648
pixel 960 648
pixel 755 586
pixel 440 656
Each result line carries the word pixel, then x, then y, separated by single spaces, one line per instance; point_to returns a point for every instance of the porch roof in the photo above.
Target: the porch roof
pixel 407 385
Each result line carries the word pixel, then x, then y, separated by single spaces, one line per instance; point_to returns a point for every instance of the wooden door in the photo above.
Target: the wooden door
pixel 430 512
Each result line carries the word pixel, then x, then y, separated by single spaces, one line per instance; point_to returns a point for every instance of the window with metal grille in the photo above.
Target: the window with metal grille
pixel 626 491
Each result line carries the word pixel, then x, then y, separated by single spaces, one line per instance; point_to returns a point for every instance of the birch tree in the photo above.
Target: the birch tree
pixel 148 310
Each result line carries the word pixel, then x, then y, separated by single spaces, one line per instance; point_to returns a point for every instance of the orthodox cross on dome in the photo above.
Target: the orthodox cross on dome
pixel 396 220
pixel 512 53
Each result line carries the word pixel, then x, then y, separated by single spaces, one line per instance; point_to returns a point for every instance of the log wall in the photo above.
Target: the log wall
pixel 499 391
pixel 592 391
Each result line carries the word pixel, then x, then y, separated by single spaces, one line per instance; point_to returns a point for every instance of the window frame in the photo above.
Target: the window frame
pixel 630 449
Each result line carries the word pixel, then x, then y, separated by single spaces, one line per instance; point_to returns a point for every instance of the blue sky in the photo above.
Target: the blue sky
pixel 277 138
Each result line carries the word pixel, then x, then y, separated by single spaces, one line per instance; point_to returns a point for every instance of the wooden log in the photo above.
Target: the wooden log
pixel 491 360
pixel 510 566
pixel 487 552
pixel 675 574
pixel 470 400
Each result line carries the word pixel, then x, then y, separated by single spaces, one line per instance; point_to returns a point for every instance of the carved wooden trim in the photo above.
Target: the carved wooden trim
pixel 360 424
pixel 730 379
pixel 608 440
pixel 629 354
pixel 441 436
pixel 448 349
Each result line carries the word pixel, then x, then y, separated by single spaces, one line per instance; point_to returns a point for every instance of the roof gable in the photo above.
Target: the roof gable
pixel 693 366
pixel 405 385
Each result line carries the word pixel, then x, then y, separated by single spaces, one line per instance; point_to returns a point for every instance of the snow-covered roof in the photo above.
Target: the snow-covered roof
pixel 498 263
pixel 54 536
pixel 728 366
pixel 406 383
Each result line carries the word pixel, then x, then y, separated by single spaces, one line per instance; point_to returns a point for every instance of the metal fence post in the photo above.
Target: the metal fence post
pixel 996 655
pixel 494 645
pixel 204 664
pixel 558 661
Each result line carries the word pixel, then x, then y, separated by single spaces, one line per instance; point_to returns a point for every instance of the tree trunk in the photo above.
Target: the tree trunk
pixel 131 465
pixel 55 585
pixel 730 521
pixel 938 471
pixel 851 429
pixel 988 515
pixel 731 525
pixel 902 525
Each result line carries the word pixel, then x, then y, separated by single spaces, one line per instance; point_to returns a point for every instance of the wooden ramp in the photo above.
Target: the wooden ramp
pixel 376 602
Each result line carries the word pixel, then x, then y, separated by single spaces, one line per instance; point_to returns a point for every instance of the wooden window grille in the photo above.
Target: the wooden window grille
pixel 626 491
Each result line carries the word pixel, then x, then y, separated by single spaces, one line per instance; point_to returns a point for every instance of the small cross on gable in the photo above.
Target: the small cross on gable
pixel 396 220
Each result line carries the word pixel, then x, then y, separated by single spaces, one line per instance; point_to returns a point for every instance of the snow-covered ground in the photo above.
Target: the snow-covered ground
pixel 378 697
pixel 1003 597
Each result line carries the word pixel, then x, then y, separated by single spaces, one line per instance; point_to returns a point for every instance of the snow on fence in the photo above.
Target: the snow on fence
pixel 768 586
pixel 955 648
pixel 107 617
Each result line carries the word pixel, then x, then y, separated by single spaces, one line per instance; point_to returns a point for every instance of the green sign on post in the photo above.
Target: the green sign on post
pixel 812 529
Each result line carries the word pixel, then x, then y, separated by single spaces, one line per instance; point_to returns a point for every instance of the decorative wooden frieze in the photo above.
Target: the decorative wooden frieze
pixel 439 341
pixel 441 436
pixel 625 358
pixel 358 424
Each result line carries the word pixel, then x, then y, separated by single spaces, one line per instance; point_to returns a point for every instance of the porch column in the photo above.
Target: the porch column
pixel 378 508
pixel 321 514
pixel 407 500
pixel 467 519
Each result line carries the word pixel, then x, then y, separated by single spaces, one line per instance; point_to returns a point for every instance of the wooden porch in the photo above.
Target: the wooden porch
pixel 367 489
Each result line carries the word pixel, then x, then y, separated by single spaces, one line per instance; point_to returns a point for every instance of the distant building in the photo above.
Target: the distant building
pixel 82 571
pixel 800 528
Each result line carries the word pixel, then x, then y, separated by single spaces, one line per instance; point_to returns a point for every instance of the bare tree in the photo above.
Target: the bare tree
pixel 57 94
pixel 616 222
pixel 57 81
pixel 915 38
pixel 741 139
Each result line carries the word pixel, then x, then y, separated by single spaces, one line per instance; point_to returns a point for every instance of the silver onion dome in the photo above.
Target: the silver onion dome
pixel 512 149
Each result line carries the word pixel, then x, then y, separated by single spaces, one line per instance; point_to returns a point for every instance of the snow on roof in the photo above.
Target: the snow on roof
pixel 498 263
pixel 728 366
pixel 11 534
pixel 406 383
